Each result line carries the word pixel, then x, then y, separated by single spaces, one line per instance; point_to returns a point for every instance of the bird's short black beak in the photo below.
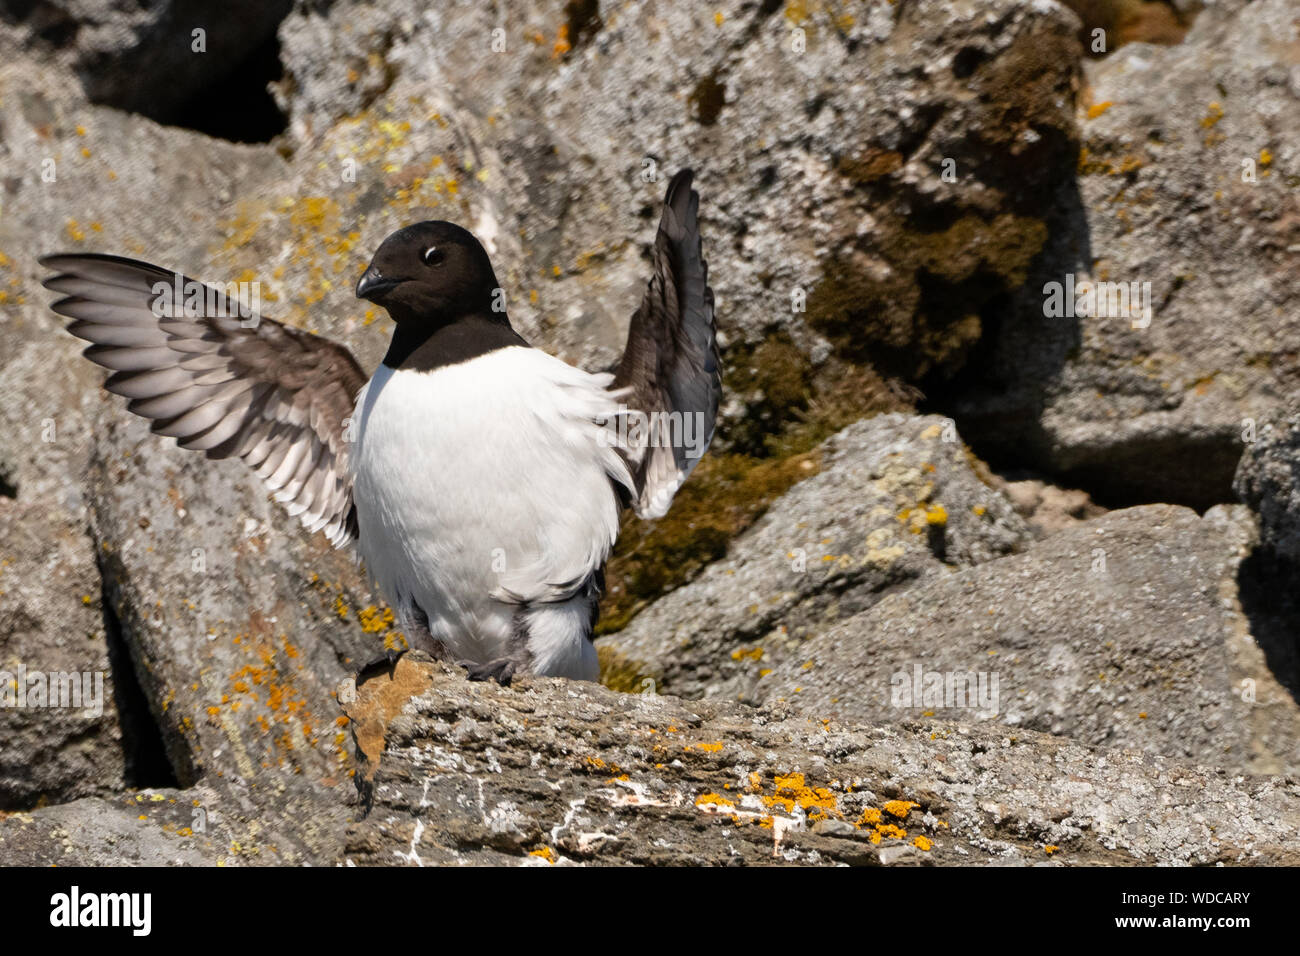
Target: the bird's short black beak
pixel 373 283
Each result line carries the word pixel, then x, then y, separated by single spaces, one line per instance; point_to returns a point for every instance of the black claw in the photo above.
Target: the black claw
pixel 501 670
pixel 386 661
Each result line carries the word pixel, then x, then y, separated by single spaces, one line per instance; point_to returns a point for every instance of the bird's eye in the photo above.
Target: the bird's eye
pixel 432 256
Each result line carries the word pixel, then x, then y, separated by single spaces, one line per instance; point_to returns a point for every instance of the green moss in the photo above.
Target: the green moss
pixel 862 312
pixel 782 372
pixel 1130 21
pixel 869 166
pixel 775 380
pixel 621 673
pixel 725 495
pixel 915 310
pixel 796 409
pixel 709 97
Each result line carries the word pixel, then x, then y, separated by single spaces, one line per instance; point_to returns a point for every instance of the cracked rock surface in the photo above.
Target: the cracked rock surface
pixel 885 191
pixel 549 772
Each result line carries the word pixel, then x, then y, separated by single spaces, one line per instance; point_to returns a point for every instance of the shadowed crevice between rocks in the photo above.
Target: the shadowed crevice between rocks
pixel 1266 585
pixel 239 108
pixel 1002 396
pixel 1193 471
pixel 201 64
pixel 147 763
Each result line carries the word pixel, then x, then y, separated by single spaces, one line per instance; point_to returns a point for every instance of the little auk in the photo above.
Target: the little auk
pixel 480 479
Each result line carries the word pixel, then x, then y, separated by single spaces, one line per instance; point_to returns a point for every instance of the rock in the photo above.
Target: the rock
pixel 871 221
pixel 98 832
pixel 898 498
pixel 237 624
pixel 209 825
pixel 549 772
pixel 146 58
pixel 108 170
pixel 1268 480
pixel 879 186
pixel 1157 413
pixel 1047 508
pixel 1125 631
pixel 241 625
pixel 556 772
pixel 68 742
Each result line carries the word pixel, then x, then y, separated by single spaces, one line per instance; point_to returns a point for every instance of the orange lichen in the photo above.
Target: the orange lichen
pixel 900 808
pixel 792 791
pixel 870 817
pixel 375 621
pixel 713 800
pixel 562 44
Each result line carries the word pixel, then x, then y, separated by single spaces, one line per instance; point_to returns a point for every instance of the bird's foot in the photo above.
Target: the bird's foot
pixel 386 661
pixel 501 670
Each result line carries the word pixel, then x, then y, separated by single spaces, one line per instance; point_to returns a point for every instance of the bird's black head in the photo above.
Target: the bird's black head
pixel 431 272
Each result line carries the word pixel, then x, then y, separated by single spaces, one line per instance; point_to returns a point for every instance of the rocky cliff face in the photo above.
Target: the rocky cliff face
pixel 852 641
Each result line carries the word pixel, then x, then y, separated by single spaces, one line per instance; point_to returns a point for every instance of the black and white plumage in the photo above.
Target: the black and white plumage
pixel 481 479
pixel 274 396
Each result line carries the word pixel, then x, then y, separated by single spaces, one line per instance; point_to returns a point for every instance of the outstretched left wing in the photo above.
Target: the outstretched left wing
pixel 219 383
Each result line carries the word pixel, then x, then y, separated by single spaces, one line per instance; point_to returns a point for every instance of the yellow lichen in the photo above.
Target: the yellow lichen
pixel 870 817
pixel 713 800
pixel 900 808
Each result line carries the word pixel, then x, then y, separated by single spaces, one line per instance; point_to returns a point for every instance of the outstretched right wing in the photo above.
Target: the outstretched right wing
pixel 219 383
pixel 671 360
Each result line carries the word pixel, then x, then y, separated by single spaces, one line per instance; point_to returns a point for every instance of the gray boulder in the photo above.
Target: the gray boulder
pixel 899 498
pixel 1127 631
pixel 550 773
pixel 60 723
pixel 1268 480
pixel 88 179
pixel 1187 181
pixel 235 623
pixel 872 180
